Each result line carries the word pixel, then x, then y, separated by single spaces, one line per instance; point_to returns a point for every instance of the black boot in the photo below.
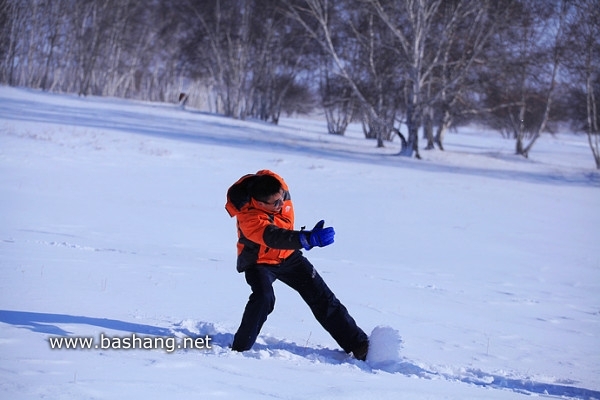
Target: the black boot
pixel 360 352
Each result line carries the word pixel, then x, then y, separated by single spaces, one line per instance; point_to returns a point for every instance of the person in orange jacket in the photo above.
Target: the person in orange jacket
pixel 269 248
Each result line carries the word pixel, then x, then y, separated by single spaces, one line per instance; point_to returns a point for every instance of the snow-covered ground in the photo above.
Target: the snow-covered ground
pixel 112 223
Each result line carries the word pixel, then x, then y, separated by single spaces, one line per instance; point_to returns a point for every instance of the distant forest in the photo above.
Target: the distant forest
pixel 412 69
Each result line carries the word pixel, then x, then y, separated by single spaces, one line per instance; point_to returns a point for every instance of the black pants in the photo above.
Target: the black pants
pixel 299 274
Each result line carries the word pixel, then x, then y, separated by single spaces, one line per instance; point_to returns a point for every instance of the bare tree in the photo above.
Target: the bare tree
pixel 16 17
pixel 377 71
pixel 465 28
pixel 337 101
pixel 281 52
pixel 519 87
pixel 420 51
pixel 316 17
pixel 218 46
pixel 583 59
pixel 412 22
pixel 555 49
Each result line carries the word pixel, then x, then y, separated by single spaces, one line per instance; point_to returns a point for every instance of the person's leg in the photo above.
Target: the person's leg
pixel 259 306
pixel 298 273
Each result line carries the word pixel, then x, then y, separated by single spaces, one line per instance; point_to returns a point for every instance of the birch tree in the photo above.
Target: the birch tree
pixel 554 61
pixel 432 46
pixel 15 44
pixel 465 28
pixel 316 18
pixel 218 47
pixel 281 53
pixel 519 87
pixel 583 59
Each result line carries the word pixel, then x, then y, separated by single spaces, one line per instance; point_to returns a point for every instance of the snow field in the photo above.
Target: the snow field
pixel 484 265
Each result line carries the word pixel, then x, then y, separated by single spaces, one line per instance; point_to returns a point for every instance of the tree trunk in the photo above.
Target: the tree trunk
pixel 428 128
pixel 412 142
pixel 548 100
pixel 593 132
pixel 442 129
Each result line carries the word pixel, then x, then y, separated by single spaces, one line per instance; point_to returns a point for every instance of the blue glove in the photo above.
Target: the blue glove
pixel 319 236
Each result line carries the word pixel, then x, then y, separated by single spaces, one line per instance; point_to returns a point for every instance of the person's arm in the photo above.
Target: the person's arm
pixel 278 238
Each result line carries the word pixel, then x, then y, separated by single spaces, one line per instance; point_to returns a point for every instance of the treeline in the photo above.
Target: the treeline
pixel 522 67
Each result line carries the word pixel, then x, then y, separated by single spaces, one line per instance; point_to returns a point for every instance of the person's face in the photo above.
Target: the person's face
pixel 274 202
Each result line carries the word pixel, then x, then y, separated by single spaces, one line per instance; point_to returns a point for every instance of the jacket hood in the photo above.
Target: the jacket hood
pixel 237 195
pixel 238 198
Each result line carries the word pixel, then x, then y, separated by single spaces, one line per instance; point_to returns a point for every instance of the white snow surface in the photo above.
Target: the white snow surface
pixel 485 266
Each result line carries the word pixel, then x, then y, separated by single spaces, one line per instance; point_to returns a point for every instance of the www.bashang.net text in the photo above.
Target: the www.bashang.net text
pixel 167 343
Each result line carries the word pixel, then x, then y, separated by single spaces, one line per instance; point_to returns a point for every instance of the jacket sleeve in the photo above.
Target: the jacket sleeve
pixel 279 238
pixel 259 229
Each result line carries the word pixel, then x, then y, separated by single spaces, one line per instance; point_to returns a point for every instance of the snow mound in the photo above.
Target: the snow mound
pixel 384 346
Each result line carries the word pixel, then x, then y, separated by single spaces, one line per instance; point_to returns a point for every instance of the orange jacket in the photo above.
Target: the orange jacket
pixel 263 237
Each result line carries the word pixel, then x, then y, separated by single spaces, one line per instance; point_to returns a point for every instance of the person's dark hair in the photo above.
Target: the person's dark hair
pixel 263 186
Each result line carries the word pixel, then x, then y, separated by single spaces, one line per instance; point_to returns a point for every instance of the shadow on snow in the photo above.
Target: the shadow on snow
pixel 49 324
